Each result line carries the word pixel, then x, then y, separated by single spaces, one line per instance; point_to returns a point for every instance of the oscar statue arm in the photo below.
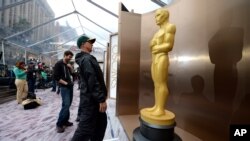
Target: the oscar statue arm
pixel 152 43
pixel 168 42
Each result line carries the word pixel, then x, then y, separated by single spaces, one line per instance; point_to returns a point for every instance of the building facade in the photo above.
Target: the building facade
pixel 34 12
pixel 19 15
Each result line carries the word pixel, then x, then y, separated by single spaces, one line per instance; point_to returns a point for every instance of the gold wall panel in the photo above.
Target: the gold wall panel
pixel 209 72
pixel 128 63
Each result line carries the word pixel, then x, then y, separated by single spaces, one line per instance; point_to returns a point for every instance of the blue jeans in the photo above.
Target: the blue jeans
pixel 67 96
pixel 53 85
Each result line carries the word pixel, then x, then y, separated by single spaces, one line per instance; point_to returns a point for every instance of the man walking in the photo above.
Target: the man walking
pixel 62 74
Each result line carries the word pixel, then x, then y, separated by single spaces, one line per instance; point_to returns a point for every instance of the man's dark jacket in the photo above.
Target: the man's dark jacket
pixel 92 87
pixel 62 71
pixel 31 74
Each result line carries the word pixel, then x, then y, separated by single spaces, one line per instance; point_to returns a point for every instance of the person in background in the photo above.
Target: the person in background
pixel 53 81
pixel 44 77
pixel 58 89
pixel 21 83
pixel 31 77
pixel 93 95
pixel 62 74
pixel 12 80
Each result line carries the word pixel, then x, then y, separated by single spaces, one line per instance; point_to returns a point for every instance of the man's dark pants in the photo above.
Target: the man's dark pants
pixel 67 96
pixel 31 85
pixel 92 125
pixel 53 85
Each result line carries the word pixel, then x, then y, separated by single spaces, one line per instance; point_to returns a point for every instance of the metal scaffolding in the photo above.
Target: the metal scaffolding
pixel 27 48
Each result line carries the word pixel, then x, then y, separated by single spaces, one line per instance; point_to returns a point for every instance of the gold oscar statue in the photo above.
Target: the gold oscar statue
pixel 160 45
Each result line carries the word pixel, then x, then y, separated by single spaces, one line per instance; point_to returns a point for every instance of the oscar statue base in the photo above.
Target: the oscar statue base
pixel 168 118
pixel 149 132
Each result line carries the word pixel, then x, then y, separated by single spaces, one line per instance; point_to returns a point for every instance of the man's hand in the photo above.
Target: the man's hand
pixel 103 107
pixel 70 67
pixel 70 84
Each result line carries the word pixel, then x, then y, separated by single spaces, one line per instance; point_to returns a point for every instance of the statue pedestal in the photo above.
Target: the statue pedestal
pixel 150 132
pixel 168 118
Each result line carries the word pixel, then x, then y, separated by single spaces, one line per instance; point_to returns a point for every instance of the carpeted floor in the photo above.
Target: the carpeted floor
pixel 17 124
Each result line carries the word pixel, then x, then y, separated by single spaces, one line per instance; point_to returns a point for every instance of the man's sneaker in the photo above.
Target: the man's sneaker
pixel 68 123
pixel 59 129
